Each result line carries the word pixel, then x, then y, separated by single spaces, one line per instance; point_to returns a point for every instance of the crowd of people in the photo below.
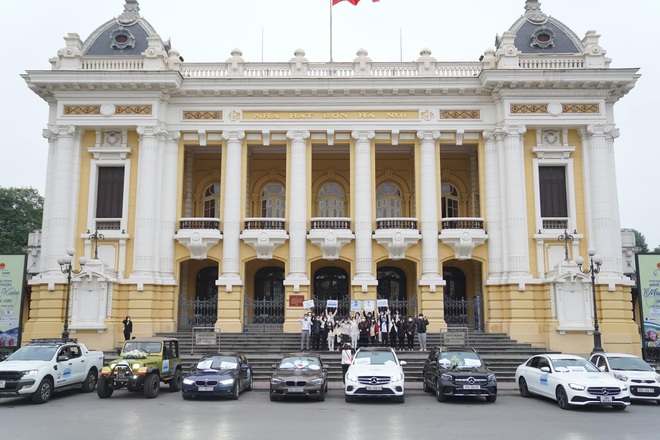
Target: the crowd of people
pixel 386 328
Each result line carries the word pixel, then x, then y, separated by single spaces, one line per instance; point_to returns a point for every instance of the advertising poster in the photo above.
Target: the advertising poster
pixel 369 305
pixel 356 305
pixel 648 277
pixel 12 277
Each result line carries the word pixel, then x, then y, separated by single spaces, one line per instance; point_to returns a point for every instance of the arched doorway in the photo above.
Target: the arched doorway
pixel 393 286
pixel 265 311
pixel 200 309
pixel 331 283
pixel 459 310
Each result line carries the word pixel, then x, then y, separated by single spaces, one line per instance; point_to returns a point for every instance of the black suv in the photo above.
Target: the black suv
pixel 458 372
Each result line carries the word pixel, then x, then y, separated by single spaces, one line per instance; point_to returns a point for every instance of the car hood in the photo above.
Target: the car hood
pixel 590 379
pixel 466 371
pixel 298 373
pixel 638 375
pixel 22 365
pixel 214 375
pixel 374 370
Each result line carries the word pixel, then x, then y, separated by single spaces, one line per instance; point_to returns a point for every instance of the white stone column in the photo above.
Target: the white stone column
pixel 492 141
pixel 429 209
pixel 168 214
pixel 602 200
pixel 145 247
pixel 188 185
pixel 297 205
pixel 232 210
pixel 61 196
pixel 515 215
pixel 363 213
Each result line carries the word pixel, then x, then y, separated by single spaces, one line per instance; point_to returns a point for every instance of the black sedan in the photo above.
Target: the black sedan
pixel 299 375
pixel 218 374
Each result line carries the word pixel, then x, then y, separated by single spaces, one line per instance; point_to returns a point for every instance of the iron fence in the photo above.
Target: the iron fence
pixel 198 313
pixel 463 313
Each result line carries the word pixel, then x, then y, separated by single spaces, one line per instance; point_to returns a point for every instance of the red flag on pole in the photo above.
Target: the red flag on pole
pixel 353 2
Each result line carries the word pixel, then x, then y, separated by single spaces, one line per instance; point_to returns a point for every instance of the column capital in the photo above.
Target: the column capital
pixel 53 132
pixel 297 135
pixel 233 136
pixel 149 130
pixel 363 135
pixel 604 130
pixel 514 130
pixel 428 135
pixel 173 136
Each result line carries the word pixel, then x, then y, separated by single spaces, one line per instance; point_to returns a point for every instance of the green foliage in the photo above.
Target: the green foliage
pixel 640 241
pixel 21 210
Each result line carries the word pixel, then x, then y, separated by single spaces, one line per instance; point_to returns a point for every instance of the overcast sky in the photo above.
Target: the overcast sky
pixel 208 30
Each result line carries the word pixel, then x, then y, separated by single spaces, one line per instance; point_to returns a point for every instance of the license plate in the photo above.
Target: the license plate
pixel 296 389
pixel 471 387
pixel 2 383
pixel 374 388
pixel 606 399
pixel 204 388
pixel 645 390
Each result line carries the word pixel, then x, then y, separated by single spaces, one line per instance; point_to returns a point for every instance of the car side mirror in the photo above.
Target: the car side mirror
pixel 62 358
pixel 402 363
pixel 273 367
pixel 545 369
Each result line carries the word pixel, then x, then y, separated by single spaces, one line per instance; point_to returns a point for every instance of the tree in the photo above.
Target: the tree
pixel 640 241
pixel 20 213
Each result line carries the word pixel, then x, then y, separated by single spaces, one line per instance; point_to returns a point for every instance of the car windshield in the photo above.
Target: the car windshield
pixel 374 358
pixel 218 363
pixel 628 364
pixel 459 359
pixel 145 347
pixel 33 353
pixel 299 363
pixel 571 365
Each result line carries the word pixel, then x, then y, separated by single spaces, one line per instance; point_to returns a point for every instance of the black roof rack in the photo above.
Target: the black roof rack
pixel 54 341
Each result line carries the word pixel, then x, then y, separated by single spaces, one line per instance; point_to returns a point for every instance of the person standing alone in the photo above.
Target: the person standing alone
pixel 346 359
pixel 128 328
pixel 306 326
pixel 421 325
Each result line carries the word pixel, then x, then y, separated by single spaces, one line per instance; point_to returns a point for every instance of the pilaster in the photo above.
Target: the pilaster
pixel 168 217
pixel 432 305
pixel 492 142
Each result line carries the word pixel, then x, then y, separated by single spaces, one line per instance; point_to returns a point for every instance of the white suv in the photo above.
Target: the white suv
pixel 375 372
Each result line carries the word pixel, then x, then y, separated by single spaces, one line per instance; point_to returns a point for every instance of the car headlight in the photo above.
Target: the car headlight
pixel 275 380
pixel 317 381
pixel 576 387
pixel 188 382
pixel 136 366
pixel 621 377
pixel 30 372
pixel 447 377
pixel 227 382
pixel 491 378
pixel 397 377
pixel 351 377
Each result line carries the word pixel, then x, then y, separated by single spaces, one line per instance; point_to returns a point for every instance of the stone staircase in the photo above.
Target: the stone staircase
pixel 501 353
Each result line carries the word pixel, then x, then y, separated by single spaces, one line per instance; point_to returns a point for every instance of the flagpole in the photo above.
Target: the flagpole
pixel 330 1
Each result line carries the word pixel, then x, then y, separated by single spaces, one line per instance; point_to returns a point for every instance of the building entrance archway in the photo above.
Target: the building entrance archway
pixel 264 312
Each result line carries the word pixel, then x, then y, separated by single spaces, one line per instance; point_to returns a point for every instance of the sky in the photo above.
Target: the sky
pixel 390 30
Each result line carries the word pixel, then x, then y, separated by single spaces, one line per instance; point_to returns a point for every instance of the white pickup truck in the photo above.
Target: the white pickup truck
pixel 45 366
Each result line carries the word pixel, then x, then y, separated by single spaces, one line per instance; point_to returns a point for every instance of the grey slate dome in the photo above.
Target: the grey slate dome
pixel 123 36
pixel 537 33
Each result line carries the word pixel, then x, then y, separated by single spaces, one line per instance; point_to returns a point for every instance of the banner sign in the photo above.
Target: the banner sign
pixel 369 305
pixel 383 303
pixel 648 277
pixel 12 278
pixel 309 304
pixel 356 306
pixel 332 303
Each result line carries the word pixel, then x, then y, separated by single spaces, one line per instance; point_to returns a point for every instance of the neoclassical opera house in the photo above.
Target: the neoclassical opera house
pixel 228 193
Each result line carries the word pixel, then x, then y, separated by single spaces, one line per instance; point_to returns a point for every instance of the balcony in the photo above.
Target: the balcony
pixel 330 234
pixel 463 234
pixel 397 234
pixel 198 234
pixel 552 223
pixel 264 234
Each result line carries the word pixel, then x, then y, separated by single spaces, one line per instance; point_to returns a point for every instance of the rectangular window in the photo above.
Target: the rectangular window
pixel 552 187
pixel 110 192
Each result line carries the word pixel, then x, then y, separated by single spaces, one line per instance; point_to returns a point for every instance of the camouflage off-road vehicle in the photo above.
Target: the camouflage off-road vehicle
pixel 142 365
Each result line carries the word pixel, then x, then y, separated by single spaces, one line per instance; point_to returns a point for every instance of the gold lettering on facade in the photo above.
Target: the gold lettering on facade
pixel 335 115
pixel 396 115
pixel 266 116
pixel 331 115
pixel 300 115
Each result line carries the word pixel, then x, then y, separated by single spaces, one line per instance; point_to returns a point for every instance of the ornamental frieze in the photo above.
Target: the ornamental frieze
pixel 82 109
pixel 133 109
pixel 331 115
pixel 529 108
pixel 580 108
pixel 460 114
pixel 196 115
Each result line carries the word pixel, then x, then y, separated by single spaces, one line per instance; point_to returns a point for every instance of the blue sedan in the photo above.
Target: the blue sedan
pixel 218 375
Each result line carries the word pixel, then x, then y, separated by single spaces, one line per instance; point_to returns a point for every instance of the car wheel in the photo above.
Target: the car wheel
pixel 103 389
pixel 44 391
pixel 151 386
pixel 562 398
pixel 522 386
pixel 491 398
pixel 176 383
pixel 89 384
pixel 439 395
pixel 321 397
pixel 348 398
pixel 235 392
pixel 186 396
pixel 619 407
pixel 274 398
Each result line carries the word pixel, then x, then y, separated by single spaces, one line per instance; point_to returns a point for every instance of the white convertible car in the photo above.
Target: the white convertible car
pixel 642 380
pixel 570 380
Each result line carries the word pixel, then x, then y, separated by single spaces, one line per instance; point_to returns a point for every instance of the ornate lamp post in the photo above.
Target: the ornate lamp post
pixel 65 262
pixel 594 267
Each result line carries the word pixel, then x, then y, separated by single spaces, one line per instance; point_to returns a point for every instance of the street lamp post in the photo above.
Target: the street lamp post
pixel 594 267
pixel 66 264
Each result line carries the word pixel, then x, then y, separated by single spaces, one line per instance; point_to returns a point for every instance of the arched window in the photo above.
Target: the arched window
pixel 388 201
pixel 450 199
pixel 331 200
pixel 273 201
pixel 269 283
pixel 205 287
pixel 330 283
pixel 212 201
pixel 392 284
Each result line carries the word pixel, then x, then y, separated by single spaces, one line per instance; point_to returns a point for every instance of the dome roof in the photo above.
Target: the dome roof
pixel 123 36
pixel 538 33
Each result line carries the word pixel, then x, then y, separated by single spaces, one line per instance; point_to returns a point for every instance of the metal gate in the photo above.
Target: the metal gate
pixel 405 307
pixel 343 306
pixel 264 315
pixel 198 313
pixel 463 313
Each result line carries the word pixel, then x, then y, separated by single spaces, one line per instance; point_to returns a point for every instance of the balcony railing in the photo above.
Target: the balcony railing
pixel 555 223
pixel 264 223
pixel 199 223
pixel 331 223
pixel 462 223
pixel 108 224
pixel 396 223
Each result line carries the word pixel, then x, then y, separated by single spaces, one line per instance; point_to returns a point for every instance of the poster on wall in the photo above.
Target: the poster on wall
pixel 369 305
pixel 12 278
pixel 648 279
pixel 356 305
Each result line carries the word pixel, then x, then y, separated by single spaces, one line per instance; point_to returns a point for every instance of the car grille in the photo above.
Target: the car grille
pixel 10 375
pixel 205 383
pixel 374 380
pixel 604 391
pixel 635 391
pixel 642 381
pixel 296 383
pixel 470 380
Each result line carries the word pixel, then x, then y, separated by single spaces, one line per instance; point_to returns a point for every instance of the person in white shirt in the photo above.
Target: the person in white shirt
pixel 354 330
pixel 306 326
pixel 347 353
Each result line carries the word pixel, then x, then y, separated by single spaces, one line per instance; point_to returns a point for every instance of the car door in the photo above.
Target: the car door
pixel 78 364
pixel 64 374
pixel 431 368
pixel 244 371
pixel 532 374
pixel 600 362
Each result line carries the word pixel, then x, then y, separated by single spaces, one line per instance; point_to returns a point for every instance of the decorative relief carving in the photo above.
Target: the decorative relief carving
pixel 133 109
pixel 82 109
pixel 202 115
pixel 529 108
pixel 580 108
pixel 460 114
